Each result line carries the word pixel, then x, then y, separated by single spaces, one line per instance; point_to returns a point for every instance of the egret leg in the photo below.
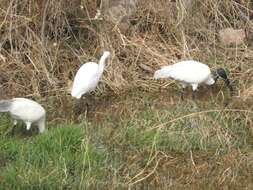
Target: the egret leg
pixel 28 125
pixel 194 88
pixel 193 95
pixel 182 93
pixel 12 130
pixel 87 105
pixel 81 106
pixel 184 85
pixel 77 108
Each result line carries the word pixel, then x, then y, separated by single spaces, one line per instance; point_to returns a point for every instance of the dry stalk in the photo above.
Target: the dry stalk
pixel 160 126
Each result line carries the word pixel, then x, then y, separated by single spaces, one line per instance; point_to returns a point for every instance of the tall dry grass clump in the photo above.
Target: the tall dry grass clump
pixel 44 42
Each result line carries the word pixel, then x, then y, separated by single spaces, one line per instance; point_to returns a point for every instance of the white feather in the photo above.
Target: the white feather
pixel 187 72
pixel 27 111
pixel 87 77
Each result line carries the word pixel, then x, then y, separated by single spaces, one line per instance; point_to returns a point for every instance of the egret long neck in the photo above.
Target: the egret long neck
pixel 101 63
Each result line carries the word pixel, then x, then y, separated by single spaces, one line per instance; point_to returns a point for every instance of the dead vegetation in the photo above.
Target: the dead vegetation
pixel 44 42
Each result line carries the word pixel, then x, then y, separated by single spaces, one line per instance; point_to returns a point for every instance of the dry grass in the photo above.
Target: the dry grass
pixel 43 43
pixel 141 141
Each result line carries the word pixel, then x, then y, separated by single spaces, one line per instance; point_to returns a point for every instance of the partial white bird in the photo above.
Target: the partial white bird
pixel 87 77
pixel 192 73
pixel 29 111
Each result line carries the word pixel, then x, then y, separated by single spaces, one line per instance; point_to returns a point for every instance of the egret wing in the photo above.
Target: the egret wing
pixel 190 72
pixel 25 109
pixel 85 79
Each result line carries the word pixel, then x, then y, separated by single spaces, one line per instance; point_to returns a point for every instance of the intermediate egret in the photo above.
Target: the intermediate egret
pixel 87 76
pixel 29 111
pixel 192 73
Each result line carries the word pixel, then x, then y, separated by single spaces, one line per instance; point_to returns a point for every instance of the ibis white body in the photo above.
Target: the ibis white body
pixel 26 110
pixel 187 73
pixel 87 77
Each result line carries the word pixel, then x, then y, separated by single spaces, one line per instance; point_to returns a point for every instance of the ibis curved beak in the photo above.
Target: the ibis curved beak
pixel 221 73
pixel 227 82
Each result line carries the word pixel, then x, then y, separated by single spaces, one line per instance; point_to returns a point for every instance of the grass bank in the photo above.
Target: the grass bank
pixel 143 140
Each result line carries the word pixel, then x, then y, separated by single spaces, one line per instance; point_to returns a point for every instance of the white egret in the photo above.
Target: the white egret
pixel 192 73
pixel 87 76
pixel 29 111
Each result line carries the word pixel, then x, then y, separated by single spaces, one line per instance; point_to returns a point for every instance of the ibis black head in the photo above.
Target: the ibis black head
pixel 221 73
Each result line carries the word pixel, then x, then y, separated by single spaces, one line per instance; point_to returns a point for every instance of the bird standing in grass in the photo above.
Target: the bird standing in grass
pixel 192 73
pixel 87 76
pixel 86 80
pixel 29 111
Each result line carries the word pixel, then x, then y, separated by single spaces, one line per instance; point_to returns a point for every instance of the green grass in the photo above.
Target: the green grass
pixel 60 158
pixel 122 148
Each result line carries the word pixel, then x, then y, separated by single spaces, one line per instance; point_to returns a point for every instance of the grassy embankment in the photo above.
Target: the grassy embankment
pixel 146 139
pixel 142 140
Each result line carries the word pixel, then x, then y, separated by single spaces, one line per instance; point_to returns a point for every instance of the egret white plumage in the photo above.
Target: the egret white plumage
pixel 192 73
pixel 88 75
pixel 26 110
